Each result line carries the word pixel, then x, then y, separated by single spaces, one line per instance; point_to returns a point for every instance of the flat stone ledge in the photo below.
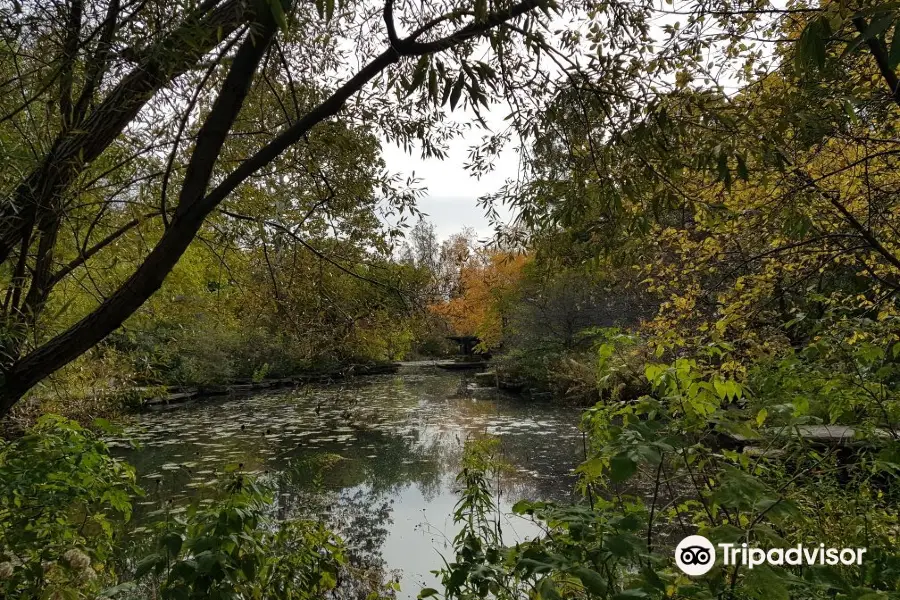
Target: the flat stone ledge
pixel 828 435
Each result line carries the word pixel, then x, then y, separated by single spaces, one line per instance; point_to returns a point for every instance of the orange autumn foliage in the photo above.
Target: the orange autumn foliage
pixel 487 283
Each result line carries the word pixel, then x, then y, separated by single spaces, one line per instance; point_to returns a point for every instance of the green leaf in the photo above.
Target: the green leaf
pixel 724 174
pixel 185 569
pixel 547 589
pixel 652 371
pixel 457 91
pixel 432 84
pixel 811 45
pixel 532 566
pixel 765 583
pixel 761 417
pixel 592 581
pixel 742 170
pixel 427 593
pixel 207 561
pixel 448 86
pixel 524 506
pixel 621 467
pixel 419 74
pixel 172 543
pixel 733 389
pixel 721 388
pixel 592 468
pixel 278 14
pixel 146 564
pixel 875 28
pixel 617 545
pixel 114 591
pixel 879 25
pixel 894 55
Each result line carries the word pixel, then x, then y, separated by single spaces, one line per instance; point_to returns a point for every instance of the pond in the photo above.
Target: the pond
pixel 377 457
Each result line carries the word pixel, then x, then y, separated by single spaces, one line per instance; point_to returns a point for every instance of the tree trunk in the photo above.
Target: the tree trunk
pixel 188 219
pixel 193 206
pixel 74 149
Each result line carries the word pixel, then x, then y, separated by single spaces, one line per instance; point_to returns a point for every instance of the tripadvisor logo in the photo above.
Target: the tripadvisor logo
pixel 695 555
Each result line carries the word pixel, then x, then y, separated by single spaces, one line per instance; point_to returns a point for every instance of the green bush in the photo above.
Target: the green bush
pixel 703 452
pixel 63 500
pixel 849 373
pixel 611 370
pixel 233 549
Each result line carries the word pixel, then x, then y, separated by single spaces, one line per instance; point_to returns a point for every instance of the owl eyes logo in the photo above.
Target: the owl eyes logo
pixel 695 555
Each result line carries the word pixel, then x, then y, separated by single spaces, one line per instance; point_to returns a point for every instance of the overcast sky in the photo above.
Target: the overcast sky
pixel 451 202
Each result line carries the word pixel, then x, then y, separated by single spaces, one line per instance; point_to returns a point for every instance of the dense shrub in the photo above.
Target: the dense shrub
pixel 63 500
pixel 235 549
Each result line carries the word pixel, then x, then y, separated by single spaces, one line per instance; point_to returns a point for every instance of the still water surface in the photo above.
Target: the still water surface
pixel 377 457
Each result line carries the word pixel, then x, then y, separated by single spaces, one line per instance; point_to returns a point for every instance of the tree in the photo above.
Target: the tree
pixel 554 308
pixel 764 219
pixel 456 251
pixel 425 245
pixel 488 285
pixel 740 209
pixel 144 66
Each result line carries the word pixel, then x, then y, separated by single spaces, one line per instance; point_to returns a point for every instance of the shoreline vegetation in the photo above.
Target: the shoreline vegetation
pixel 702 254
pixel 180 394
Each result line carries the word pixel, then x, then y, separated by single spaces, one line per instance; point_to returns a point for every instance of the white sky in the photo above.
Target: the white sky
pixel 451 201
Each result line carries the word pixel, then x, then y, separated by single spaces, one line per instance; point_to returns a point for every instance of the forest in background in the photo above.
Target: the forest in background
pixel 706 255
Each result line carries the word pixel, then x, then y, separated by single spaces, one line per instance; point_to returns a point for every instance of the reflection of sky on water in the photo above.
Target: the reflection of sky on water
pixel 377 456
pixel 423 530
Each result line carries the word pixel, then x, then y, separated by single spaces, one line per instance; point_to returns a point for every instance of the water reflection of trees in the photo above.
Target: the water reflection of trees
pixel 362 518
pixel 382 460
pixel 345 451
pixel 353 491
